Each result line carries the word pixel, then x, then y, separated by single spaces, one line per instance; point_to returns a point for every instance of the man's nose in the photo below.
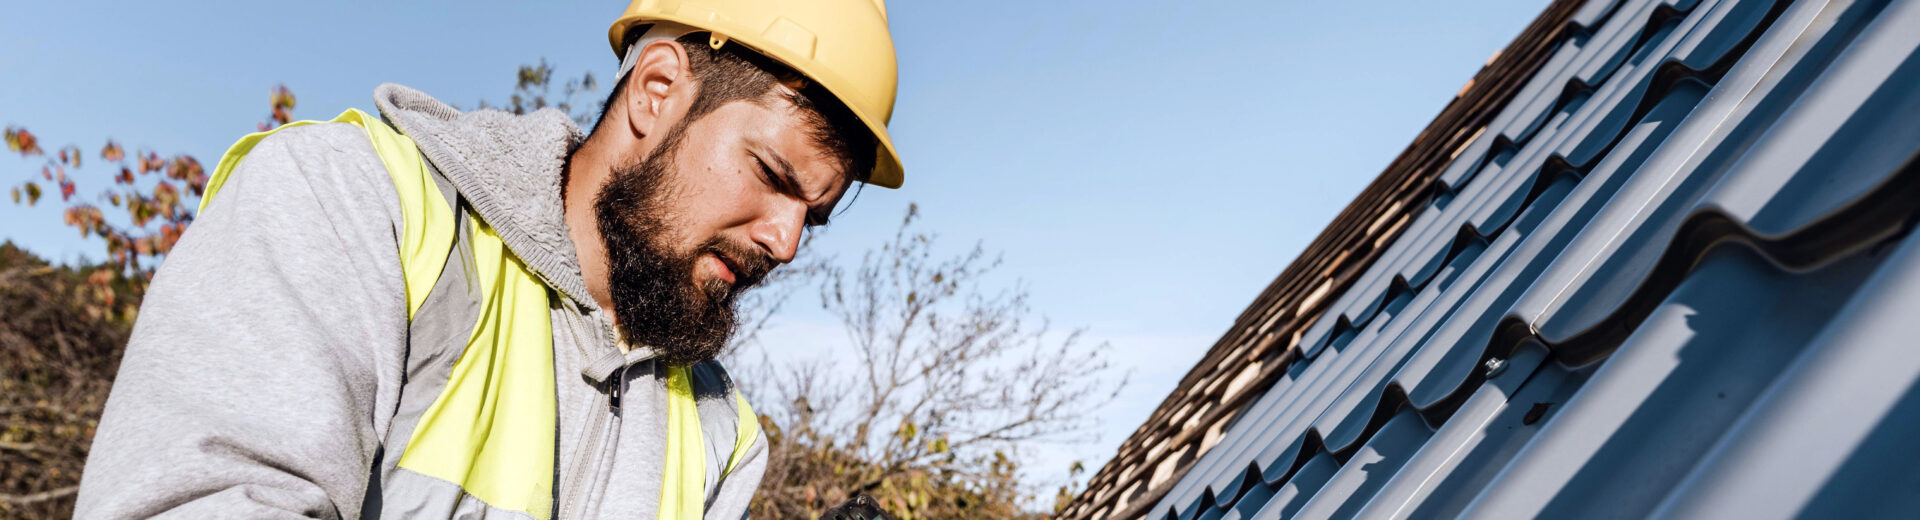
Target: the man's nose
pixel 779 231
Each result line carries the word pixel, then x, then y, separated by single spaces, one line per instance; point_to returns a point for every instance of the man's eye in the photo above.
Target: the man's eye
pixel 766 174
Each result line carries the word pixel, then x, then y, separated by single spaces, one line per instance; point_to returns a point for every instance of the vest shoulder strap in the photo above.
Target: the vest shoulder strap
pixel 683 492
pixel 427 234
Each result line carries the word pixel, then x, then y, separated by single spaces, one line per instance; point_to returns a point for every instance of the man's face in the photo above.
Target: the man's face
pixel 722 201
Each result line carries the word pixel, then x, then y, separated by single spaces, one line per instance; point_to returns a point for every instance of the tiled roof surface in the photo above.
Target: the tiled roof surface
pixel 1670 278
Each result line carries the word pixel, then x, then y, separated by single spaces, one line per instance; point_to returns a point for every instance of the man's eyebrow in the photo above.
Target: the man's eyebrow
pixel 816 216
pixel 785 170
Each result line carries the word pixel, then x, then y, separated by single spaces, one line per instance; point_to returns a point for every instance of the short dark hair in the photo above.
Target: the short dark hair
pixel 733 73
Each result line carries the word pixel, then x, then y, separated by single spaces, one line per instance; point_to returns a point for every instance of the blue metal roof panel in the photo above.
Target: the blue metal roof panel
pixel 1645 255
pixel 1369 468
pixel 1850 461
pixel 1477 441
pixel 1620 444
pixel 1550 86
pixel 1592 13
pixel 1294 493
pixel 1263 345
pixel 1584 294
pixel 1487 204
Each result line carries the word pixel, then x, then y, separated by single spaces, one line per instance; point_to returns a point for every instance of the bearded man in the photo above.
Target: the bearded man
pixel 488 315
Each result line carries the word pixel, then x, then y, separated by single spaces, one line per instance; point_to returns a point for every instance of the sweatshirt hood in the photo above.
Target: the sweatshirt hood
pixel 508 167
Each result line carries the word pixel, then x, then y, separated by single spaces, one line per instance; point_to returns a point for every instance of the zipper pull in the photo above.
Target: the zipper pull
pixel 619 379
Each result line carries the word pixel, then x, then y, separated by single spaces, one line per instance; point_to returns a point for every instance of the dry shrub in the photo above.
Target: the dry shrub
pixel 62 330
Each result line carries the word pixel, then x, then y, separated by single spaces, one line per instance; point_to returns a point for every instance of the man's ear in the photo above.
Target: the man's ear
pixel 660 73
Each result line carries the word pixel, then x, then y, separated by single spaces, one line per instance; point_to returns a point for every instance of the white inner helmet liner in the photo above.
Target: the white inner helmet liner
pixel 658 31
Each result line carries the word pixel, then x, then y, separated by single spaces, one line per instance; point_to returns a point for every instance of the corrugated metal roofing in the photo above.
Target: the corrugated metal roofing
pixel 1669 278
pixel 1262 343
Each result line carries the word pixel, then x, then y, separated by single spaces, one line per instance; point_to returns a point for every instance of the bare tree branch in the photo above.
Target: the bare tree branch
pixel 20 446
pixel 34 498
pixel 954 373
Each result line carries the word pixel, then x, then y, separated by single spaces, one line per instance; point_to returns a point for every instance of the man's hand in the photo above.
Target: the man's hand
pixel 862 507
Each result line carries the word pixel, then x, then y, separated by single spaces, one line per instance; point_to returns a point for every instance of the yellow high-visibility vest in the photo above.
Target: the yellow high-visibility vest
pixel 491 430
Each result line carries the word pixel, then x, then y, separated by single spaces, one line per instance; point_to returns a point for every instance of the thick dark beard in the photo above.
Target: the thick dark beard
pixel 654 300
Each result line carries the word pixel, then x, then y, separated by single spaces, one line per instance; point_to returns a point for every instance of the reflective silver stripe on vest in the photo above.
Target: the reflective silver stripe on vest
pixel 428 497
pixel 713 396
pixel 435 339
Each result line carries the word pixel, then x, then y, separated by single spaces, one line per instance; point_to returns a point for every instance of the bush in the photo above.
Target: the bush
pixel 62 330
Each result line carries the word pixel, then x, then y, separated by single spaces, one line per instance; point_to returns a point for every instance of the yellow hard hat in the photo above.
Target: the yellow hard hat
pixel 843 45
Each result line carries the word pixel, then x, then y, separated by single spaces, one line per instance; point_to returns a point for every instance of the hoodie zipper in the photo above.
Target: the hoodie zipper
pixel 589 459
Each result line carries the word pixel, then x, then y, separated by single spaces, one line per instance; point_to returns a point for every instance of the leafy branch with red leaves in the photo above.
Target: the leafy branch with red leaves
pixel 155 191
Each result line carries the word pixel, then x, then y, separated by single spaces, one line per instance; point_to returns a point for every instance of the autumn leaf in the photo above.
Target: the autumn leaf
pixel 198 183
pixel 283 102
pixel 78 218
pixel 150 163
pixel 140 211
pixel 22 141
pixel 165 194
pixel 169 235
pixel 186 168
pixel 88 219
pixel 70 156
pixel 112 152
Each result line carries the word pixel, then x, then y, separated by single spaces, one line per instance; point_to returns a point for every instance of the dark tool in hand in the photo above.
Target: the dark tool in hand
pixel 862 507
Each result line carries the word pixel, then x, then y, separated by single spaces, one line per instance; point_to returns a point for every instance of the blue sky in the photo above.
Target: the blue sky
pixel 1146 167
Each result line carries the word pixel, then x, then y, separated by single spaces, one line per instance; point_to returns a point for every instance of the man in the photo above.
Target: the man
pixel 487 315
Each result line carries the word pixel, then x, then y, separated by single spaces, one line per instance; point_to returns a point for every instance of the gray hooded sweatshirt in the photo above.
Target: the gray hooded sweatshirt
pixel 267 373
